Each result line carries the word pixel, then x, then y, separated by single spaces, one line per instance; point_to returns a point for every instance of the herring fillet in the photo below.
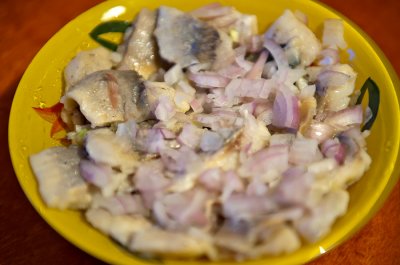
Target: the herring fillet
pixel 60 183
pixel 184 39
pixel 108 96
pixel 141 49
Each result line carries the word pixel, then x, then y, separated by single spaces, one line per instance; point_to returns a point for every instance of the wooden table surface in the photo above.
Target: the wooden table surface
pixel 25 238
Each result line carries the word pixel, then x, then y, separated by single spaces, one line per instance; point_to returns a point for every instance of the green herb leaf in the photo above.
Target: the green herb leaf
pixel 373 101
pixel 107 27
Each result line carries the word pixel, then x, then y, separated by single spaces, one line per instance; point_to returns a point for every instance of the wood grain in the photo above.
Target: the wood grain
pixel 27 239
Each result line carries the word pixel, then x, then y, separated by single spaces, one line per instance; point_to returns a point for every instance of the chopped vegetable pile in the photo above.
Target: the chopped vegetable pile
pixel 198 137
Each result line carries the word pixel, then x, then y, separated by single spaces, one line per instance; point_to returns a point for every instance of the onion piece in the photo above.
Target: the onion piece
pixel 240 52
pixel 286 110
pixel 275 158
pixel 255 43
pixel 232 183
pixel 197 105
pixel 165 109
pixel 307 91
pixel 294 187
pixel 319 131
pixel 167 134
pixel 304 151
pixel 127 130
pixel 345 118
pixel 121 204
pixel 331 78
pixel 225 21
pixel 211 11
pixel 270 68
pixel 243 207
pixel 329 56
pixel 155 141
pixel 232 71
pixel 256 188
pixel 212 179
pixel 257 69
pixel 190 135
pixel 178 161
pixel 96 174
pixel 281 139
pixel 332 148
pixel 277 52
pixel 253 88
pixel 208 79
pixel 211 141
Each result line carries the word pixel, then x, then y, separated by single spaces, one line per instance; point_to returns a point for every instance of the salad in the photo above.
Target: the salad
pixel 199 137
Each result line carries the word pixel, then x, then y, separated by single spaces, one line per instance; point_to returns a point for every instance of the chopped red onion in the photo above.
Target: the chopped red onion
pixel 208 79
pixel 232 71
pixel 261 106
pixel 212 179
pixel 196 106
pixel 223 22
pixel 274 157
pixel 293 75
pixel 190 136
pixel 127 130
pixel 307 91
pixel 180 160
pixel 155 141
pixel 211 141
pixel 96 174
pixel 258 67
pixel 281 139
pixel 270 68
pixel 357 135
pixel 304 151
pixel 194 213
pixel 196 68
pixel 286 111
pixel 329 56
pixel 165 109
pixel 216 121
pixel 187 209
pixel 254 88
pixel 243 207
pixel 167 134
pixel 331 78
pixel 345 118
pixel 319 131
pixel 277 52
pixel 121 204
pixel 332 148
pixel 150 176
pixel 211 11
pixel 266 116
pixel 186 87
pixel 256 188
pixel 255 43
pixel 294 187
pixel 240 52
pixel 232 183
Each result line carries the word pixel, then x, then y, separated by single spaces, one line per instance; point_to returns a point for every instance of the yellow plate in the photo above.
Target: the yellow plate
pixel 42 85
